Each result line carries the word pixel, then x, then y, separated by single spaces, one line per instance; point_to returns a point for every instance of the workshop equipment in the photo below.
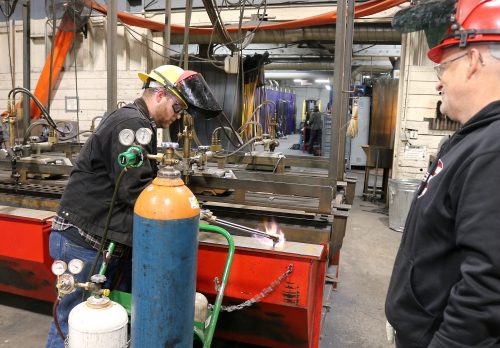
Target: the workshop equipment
pixel 97 322
pixel 24 252
pixel 273 296
pixel 166 218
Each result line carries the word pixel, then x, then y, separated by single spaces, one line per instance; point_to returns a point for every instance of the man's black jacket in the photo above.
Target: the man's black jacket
pixel 445 286
pixel 87 197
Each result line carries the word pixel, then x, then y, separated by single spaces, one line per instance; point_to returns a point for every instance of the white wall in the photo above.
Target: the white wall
pixel 91 69
pixel 414 141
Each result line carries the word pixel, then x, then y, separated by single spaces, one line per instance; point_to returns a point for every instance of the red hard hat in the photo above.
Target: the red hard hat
pixel 474 21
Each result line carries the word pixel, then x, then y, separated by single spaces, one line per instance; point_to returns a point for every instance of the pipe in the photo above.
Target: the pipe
pixel 319 66
pixel 365 33
pixel 326 66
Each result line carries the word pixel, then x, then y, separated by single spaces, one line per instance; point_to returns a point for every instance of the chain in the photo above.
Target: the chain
pixel 257 298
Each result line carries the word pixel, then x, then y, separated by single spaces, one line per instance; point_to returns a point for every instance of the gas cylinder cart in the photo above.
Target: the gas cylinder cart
pixel 101 321
pixel 205 315
pixel 163 303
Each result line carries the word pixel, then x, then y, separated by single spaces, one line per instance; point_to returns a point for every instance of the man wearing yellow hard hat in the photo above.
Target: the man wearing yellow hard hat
pixel 78 227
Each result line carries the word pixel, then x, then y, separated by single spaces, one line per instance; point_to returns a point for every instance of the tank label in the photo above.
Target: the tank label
pixel 194 203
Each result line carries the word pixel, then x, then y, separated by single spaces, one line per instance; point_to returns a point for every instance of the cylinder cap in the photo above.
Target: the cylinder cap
pixel 168 172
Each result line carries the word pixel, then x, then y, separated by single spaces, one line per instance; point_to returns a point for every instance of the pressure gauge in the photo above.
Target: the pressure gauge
pixel 126 137
pixel 59 267
pixel 143 135
pixel 75 266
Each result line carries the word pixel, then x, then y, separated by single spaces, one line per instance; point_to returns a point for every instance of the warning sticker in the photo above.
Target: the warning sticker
pixel 194 203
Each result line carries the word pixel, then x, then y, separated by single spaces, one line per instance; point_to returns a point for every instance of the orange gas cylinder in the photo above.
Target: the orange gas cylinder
pixel 165 249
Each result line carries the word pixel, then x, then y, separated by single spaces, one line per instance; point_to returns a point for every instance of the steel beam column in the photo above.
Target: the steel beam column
pixel 111 55
pixel 26 60
pixel 166 32
pixel 187 24
pixel 346 86
pixel 340 29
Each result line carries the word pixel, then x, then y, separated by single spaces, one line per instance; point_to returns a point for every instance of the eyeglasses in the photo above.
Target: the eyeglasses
pixel 440 68
pixel 178 108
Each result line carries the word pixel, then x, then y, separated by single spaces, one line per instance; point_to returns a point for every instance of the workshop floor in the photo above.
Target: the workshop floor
pixel 355 319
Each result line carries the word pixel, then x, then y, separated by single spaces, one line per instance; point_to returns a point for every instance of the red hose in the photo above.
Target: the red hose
pixel 56 322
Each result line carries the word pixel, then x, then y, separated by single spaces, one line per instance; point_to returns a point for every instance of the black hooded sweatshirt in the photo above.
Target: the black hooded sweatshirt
pixel 445 285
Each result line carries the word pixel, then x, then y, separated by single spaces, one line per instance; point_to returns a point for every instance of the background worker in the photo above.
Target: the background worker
pixel 316 124
pixel 82 213
pixel 444 290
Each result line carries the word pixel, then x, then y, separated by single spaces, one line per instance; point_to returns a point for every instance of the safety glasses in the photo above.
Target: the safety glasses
pixel 440 68
pixel 178 108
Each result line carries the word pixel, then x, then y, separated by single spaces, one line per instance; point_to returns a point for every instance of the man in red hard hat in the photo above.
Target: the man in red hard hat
pixel 445 286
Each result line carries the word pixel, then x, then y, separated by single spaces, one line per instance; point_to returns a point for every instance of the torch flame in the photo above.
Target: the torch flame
pixel 272 228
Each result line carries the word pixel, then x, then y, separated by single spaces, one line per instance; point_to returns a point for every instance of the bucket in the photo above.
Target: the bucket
pixel 401 193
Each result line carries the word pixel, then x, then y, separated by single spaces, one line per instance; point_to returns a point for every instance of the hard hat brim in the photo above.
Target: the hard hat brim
pixel 144 77
pixel 436 53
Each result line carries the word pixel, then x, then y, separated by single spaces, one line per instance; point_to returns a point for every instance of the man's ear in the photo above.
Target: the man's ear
pixel 158 95
pixel 475 62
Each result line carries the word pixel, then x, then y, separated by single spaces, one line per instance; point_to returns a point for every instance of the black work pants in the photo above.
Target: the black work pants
pixel 314 138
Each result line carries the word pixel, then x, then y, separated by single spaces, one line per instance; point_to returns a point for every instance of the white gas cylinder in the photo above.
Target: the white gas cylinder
pixel 98 323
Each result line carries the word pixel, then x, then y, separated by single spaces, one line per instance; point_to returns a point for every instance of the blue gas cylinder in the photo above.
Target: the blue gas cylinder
pixel 165 250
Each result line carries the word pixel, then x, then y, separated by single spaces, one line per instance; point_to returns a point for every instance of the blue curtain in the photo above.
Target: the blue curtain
pixel 284 108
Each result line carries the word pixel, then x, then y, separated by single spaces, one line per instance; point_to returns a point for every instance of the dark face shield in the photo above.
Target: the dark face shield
pixel 201 101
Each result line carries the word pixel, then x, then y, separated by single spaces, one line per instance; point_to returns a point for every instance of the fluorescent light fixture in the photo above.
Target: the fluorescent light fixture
pixel 328 88
pixel 297 80
pixel 322 81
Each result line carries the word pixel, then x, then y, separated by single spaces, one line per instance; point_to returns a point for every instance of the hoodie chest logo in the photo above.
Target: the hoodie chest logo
pixel 428 177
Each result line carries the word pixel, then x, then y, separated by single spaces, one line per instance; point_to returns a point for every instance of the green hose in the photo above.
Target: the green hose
pixel 104 264
pixel 225 276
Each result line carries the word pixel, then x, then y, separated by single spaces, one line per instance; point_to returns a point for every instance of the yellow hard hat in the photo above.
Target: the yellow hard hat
pixel 166 75
pixel 189 86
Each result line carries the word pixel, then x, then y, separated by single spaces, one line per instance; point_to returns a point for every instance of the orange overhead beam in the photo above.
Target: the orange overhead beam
pixel 62 44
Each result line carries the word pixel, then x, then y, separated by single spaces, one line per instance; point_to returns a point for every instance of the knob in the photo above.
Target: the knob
pixel 98 278
pixel 169 145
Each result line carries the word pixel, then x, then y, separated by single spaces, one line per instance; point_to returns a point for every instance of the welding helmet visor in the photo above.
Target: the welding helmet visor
pixel 199 97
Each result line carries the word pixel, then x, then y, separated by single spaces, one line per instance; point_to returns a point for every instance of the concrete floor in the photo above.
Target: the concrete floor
pixel 356 318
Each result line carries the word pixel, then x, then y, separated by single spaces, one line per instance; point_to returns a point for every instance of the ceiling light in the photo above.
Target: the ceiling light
pixel 297 80
pixel 322 81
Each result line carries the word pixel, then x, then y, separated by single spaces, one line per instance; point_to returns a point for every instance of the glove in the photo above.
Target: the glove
pixel 390 332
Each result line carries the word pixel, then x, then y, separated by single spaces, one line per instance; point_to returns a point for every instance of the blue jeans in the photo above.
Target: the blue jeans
pixel 63 249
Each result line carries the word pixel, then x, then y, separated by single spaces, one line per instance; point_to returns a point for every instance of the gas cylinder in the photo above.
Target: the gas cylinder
pixel 165 251
pixel 97 322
